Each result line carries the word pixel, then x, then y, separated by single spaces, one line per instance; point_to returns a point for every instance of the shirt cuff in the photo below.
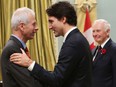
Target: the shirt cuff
pixel 30 68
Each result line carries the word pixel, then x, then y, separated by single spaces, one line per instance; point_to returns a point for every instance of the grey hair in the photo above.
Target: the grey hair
pixel 106 23
pixel 21 15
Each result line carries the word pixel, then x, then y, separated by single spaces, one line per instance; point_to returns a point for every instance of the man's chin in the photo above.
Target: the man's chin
pixel 57 35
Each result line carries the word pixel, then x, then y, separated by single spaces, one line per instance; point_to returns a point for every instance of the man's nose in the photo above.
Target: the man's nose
pixel 36 29
pixel 50 26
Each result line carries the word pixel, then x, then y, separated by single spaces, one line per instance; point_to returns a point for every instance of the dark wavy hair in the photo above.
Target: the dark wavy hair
pixel 63 9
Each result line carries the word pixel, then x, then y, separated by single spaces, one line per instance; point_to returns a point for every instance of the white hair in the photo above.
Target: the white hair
pixel 106 24
pixel 21 15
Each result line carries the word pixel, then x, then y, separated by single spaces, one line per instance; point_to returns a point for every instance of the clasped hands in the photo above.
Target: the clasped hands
pixel 21 59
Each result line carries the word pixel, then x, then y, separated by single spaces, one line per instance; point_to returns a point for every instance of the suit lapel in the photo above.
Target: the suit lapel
pixel 97 59
pixel 69 35
pixel 94 51
pixel 107 47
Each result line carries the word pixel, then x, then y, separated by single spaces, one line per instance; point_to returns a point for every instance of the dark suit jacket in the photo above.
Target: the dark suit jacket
pixel 12 74
pixel 73 68
pixel 104 68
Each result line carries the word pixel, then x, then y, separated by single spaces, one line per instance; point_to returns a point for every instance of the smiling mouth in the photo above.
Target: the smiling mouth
pixel 53 31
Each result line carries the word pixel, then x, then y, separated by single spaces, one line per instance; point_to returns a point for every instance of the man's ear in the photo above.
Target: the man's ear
pixel 21 26
pixel 63 19
pixel 108 31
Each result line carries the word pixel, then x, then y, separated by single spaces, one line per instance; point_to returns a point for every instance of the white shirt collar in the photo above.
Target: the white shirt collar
pixel 102 45
pixel 65 36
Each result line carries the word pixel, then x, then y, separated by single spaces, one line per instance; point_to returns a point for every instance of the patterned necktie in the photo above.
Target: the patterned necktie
pixel 98 52
pixel 27 52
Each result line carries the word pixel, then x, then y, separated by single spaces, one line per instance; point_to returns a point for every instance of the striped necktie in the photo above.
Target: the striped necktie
pixel 98 51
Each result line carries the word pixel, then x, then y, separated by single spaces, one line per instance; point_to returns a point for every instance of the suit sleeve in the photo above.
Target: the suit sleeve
pixel 63 70
pixel 20 75
pixel 114 65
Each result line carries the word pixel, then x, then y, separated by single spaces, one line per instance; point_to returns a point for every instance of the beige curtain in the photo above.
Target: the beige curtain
pixel 42 47
pixel 81 13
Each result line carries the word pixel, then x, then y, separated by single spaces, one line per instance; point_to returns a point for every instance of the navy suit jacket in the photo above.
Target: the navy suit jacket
pixel 104 67
pixel 12 74
pixel 73 68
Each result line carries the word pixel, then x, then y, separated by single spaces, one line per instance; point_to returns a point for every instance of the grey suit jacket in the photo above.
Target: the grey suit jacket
pixel 12 74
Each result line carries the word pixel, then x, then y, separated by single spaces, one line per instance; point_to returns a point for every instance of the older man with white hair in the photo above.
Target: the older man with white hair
pixel 24 27
pixel 104 56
